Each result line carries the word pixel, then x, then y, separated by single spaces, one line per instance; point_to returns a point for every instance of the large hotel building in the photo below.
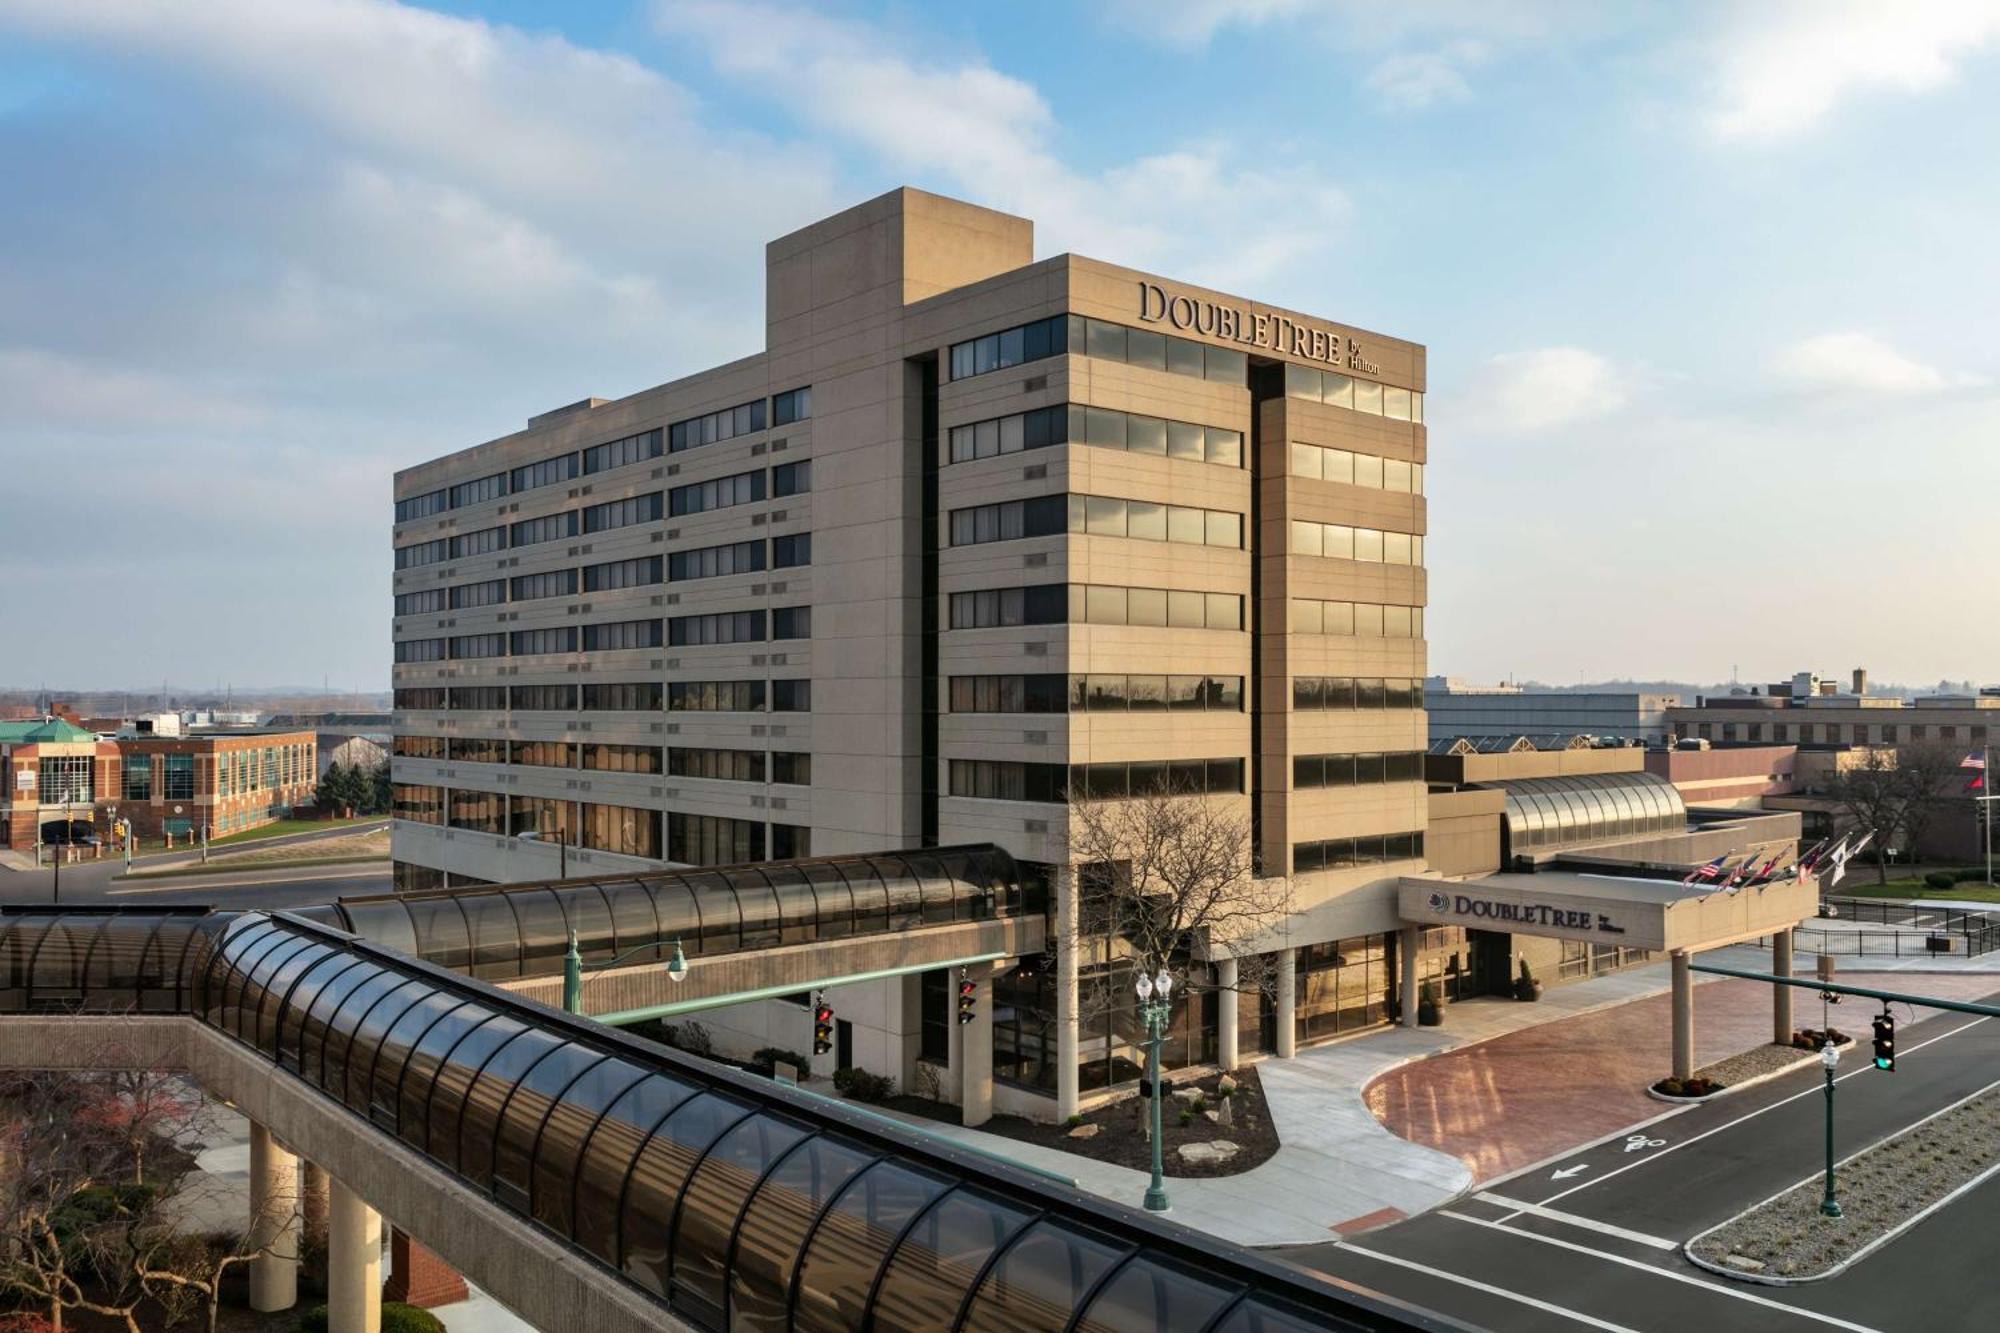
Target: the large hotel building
pixel 973 535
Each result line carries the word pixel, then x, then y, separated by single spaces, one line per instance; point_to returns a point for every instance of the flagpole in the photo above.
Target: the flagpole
pixel 1986 790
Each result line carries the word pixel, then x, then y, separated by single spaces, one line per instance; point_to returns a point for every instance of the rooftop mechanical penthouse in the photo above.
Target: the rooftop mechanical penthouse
pixel 973 537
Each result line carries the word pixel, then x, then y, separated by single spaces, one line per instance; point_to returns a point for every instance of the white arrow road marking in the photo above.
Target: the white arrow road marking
pixel 1567 1172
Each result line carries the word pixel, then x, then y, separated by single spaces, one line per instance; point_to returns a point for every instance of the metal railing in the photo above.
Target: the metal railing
pixel 1966 934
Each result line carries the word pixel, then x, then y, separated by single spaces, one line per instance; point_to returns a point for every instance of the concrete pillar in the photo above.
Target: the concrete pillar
pixel 274 1223
pixel 1781 996
pixel 353 1264
pixel 1409 944
pixel 1067 944
pixel 312 1189
pixel 1288 986
pixel 1683 1004
pixel 1226 1000
pixel 975 1045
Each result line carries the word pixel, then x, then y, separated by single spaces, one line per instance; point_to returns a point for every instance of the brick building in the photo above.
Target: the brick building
pixel 164 784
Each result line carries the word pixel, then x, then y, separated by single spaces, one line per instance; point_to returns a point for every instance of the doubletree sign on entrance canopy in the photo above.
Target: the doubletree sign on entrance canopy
pixel 1526 915
pixel 1281 333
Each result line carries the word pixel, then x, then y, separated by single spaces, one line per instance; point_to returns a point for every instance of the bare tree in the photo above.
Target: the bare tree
pixel 1929 776
pixel 1165 877
pixel 1873 795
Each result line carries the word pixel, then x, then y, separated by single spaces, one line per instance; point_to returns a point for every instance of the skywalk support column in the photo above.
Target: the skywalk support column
pixel 274 1223
pixel 1068 1094
pixel 975 1044
pixel 1683 1003
pixel 1409 943
pixel 1288 985
pixel 1225 1013
pixel 1781 996
pixel 353 1264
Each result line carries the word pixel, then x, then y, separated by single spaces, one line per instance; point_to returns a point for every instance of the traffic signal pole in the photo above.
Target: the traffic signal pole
pixel 1842 988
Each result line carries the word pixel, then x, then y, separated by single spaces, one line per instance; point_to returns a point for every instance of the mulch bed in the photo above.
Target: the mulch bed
pixel 1119 1139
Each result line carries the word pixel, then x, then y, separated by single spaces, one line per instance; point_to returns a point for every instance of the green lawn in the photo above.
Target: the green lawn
pixel 1915 888
pixel 274 830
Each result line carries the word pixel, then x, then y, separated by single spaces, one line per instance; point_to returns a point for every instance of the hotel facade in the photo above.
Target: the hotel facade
pixel 974 536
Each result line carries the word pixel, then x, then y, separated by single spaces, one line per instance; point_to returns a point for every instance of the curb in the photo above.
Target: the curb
pixel 223 867
pixel 1750 1082
pixel 1740 1275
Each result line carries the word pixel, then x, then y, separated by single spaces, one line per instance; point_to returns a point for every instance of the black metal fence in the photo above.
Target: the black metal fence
pixel 1913 930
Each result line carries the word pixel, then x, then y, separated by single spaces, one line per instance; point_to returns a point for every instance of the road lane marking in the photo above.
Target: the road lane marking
pixel 304 875
pixel 1567 1172
pixel 1814 1091
pixel 1667 1273
pixel 1574 1220
pixel 1546 1307
pixel 1639 1143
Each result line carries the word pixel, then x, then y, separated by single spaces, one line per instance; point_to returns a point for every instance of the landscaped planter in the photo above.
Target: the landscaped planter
pixel 1715 1089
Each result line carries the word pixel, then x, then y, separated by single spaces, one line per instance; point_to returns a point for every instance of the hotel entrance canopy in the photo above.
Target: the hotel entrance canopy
pixel 1655 914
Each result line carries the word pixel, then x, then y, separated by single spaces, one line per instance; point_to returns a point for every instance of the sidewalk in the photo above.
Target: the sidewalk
pixel 1338 1169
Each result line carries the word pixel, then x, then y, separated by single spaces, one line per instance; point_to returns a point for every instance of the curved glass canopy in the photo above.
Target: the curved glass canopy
pixel 1594 807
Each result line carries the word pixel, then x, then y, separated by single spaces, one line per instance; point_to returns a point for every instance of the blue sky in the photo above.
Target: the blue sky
pixel 1708 289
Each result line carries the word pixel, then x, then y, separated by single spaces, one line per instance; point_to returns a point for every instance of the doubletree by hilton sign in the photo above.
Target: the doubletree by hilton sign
pixel 1256 328
pixel 1533 917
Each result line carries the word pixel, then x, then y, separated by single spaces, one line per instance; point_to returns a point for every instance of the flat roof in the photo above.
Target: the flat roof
pixel 1657 914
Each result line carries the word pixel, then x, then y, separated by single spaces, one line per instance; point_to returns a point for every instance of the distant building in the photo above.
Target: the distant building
pixel 1459 708
pixel 163 784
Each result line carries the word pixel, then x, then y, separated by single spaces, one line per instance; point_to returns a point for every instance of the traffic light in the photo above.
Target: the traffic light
pixel 967 998
pixel 1885 1042
pixel 822 1026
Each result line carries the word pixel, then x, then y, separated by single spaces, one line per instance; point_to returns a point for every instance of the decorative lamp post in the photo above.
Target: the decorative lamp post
pixel 677 970
pixel 1154 993
pixel 1829 1059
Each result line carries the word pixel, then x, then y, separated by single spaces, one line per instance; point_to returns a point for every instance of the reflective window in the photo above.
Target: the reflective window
pixel 852 1243
pixel 1041 1278
pixel 928 1277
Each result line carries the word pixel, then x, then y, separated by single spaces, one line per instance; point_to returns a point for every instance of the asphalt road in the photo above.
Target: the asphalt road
pixel 1597 1244
pixel 96 882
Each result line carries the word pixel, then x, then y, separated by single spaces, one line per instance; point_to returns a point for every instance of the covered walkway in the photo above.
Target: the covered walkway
pixel 718 1199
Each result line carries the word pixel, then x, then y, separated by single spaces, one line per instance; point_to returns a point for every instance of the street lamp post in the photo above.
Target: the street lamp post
pixel 677 969
pixel 1829 1059
pixel 1154 1011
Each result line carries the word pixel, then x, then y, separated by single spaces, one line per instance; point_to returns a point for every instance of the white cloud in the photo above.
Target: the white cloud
pixel 1860 363
pixel 1544 389
pixel 1194 22
pixel 1419 80
pixel 978 131
pixel 1783 67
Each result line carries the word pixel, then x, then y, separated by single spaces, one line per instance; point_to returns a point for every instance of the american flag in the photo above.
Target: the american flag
pixel 1977 759
pixel 1707 871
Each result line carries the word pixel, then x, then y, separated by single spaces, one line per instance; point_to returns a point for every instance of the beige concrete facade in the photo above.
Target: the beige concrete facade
pixel 865 309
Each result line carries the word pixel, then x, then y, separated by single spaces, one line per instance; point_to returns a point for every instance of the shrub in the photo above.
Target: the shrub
pixel 693 1038
pixel 1187 1116
pixel 400 1318
pixel 1672 1087
pixel 25 1321
pixel 767 1058
pixel 312 1319
pixel 1941 879
pixel 863 1086
pixel 1074 1121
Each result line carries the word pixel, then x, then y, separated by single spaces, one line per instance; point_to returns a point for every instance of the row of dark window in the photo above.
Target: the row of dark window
pixel 1079 336
pixel 1356 770
pixel 788 766
pixel 603 696
pixel 707 562
pixel 1334 853
pixel 1008 780
pixel 1367 620
pixel 535 754
pixel 785 622
pixel 786 408
pixel 1345 692
pixel 1098 515
pixel 1095 604
pixel 738 696
pixel 608 636
pixel 1103 427
pixel 1094 693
